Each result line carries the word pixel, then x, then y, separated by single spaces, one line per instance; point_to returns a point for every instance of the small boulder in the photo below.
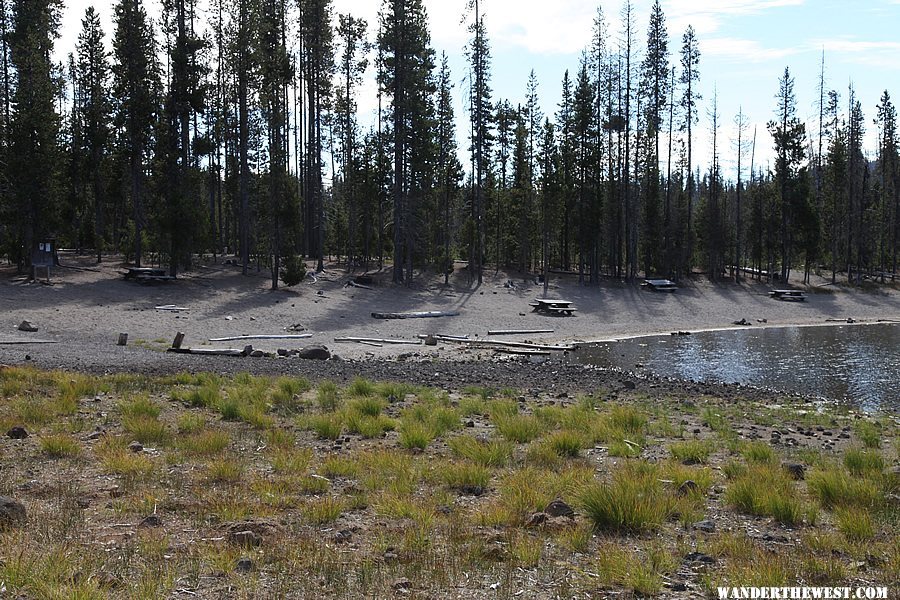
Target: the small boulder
pixel 705 526
pixel 244 565
pixel 245 539
pixel 150 521
pixel 537 519
pixel 688 487
pixel 17 433
pixel 257 354
pixel 136 447
pixel 401 584
pixel 12 513
pixel 558 508
pixel 796 471
pixel 27 326
pixel 430 340
pixel 314 352
pixel 699 557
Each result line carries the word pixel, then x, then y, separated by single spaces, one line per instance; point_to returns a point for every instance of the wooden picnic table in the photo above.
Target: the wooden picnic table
pixel 660 285
pixel 145 274
pixel 553 306
pixel 788 295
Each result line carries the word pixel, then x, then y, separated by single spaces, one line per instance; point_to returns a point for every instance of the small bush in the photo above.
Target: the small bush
pixel 60 446
pixel 293 270
pixel 323 510
pixel 495 453
pixel 139 407
pixel 834 488
pixel 869 434
pixel 759 452
pixel 190 422
pixel 855 523
pixel 370 407
pixel 204 443
pixel 414 434
pixel 565 443
pixel 362 388
pixel 691 452
pixel 327 426
pixel 518 428
pixel 146 429
pixel 863 463
pixel 466 477
pixel 633 501
pixel 327 396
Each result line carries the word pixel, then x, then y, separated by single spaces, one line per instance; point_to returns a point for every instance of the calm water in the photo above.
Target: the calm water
pixel 855 363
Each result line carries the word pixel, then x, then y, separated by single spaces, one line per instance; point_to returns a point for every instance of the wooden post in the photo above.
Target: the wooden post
pixel 123 339
pixel 176 343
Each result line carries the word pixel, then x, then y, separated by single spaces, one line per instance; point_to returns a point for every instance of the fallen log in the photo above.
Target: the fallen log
pixel 502 343
pixel 363 340
pixel 523 352
pixel 438 336
pixel 517 331
pixel 416 315
pixel 358 285
pixel 377 345
pixel 208 351
pixel 12 342
pixel 295 336
pixel 171 307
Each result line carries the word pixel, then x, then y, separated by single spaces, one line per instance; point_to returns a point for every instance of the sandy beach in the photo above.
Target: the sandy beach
pixel 88 305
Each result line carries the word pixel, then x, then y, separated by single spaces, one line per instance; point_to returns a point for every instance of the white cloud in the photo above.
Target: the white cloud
pixel 743 50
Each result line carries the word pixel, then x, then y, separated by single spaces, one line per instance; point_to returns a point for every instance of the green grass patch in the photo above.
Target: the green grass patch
pixel 60 445
pixel 494 453
pixel 633 501
pixel 691 452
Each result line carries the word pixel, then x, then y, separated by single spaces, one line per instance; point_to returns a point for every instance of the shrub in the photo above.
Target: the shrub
pixel 691 452
pixel 60 446
pixel 518 428
pixel 863 463
pixel 759 452
pixel 834 488
pixel 293 270
pixel 495 453
pixel 633 501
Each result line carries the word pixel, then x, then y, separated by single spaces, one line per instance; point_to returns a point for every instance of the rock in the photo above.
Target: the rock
pixel 390 554
pixel 679 586
pixel 494 551
pixel 257 354
pixel 558 508
pixel 471 490
pixel 245 539
pixel 796 471
pixel 706 526
pixel 401 584
pixel 315 352
pixel 342 536
pixel 136 447
pixel 699 557
pixel 151 521
pixel 17 433
pixel 688 487
pixel 537 519
pixel 12 513
pixel 470 423
pixel 629 385
pixel 430 340
pixel 282 352
pixel 244 565
pixel 27 326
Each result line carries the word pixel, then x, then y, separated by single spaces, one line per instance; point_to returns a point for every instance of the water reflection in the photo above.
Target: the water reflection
pixel 857 363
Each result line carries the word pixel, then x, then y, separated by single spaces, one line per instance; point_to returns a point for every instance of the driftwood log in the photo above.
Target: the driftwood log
pixel 416 315
pixel 296 336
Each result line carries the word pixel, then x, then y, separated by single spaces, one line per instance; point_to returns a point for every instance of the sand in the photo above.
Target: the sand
pixel 88 305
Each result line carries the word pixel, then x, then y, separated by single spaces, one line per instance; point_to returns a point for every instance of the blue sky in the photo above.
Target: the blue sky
pixel 745 47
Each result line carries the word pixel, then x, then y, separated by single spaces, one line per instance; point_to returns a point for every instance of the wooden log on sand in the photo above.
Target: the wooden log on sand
pixel 297 336
pixel 517 331
pixel 416 315
pixel 518 352
pixel 17 342
pixel 208 351
pixel 363 340
pixel 506 344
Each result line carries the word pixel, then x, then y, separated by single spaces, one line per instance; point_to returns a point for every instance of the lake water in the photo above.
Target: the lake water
pixel 859 364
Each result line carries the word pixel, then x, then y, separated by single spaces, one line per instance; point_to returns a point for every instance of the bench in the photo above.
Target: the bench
pixel 788 295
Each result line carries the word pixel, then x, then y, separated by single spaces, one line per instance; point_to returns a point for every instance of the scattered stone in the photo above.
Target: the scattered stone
pixel 315 352
pixel 245 539
pixel 136 447
pixel 558 508
pixel 679 586
pixel 282 352
pixel 471 490
pixel 390 554
pixel 27 326
pixel 244 565
pixel 706 526
pixel 12 513
pixel 495 551
pixel 629 385
pixel 470 423
pixel 17 433
pixel 688 487
pixel 401 584
pixel 151 521
pixel 343 536
pixel 257 354
pixel 430 340
pixel 95 435
pixel 699 557
pixel 796 471
pixel 537 519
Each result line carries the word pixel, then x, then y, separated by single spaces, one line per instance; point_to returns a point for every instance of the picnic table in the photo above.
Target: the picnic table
pixel 147 274
pixel 788 295
pixel 660 285
pixel 552 306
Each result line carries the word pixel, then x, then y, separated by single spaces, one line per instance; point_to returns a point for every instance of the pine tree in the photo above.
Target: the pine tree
pixel 449 170
pixel 136 89
pixel 690 78
pixel 94 109
pixel 789 134
pixel 34 153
